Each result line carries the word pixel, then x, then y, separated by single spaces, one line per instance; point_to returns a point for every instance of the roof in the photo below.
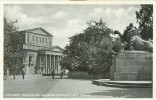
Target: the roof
pixel 38 28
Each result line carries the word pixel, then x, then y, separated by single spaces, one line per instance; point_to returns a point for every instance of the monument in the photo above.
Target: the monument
pixel 132 66
pixel 135 62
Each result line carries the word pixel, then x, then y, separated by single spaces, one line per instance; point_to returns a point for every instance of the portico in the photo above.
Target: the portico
pixel 49 60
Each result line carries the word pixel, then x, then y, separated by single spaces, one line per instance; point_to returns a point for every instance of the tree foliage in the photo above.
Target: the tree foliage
pixel 13 47
pixel 90 50
pixel 145 20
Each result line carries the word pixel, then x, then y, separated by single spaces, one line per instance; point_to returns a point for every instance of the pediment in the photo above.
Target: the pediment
pixel 56 48
pixel 38 30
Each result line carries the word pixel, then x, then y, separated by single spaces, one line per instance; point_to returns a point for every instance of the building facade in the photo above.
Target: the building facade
pixel 40 56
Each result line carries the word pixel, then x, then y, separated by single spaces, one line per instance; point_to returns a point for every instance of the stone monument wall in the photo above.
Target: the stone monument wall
pixel 132 66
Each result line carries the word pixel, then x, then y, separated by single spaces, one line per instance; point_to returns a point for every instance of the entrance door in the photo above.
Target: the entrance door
pixel 31 65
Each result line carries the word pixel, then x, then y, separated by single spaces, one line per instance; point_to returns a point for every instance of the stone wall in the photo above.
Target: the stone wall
pixel 132 66
pixel 82 75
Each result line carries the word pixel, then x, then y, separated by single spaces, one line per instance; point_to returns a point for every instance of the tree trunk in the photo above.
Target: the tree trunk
pixel 14 72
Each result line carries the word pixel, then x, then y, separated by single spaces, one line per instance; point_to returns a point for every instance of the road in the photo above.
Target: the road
pixel 46 87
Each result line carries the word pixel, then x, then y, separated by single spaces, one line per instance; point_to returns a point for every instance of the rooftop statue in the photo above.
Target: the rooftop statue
pixel 132 40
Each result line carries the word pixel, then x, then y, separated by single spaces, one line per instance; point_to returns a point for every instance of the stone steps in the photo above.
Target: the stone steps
pixel 123 84
pixel 127 86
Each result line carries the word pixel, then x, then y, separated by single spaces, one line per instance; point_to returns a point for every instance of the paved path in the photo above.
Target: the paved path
pixel 45 87
pixel 28 87
pixel 85 88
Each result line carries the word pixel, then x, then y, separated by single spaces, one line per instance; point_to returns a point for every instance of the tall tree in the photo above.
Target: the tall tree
pixel 90 50
pixel 145 20
pixel 13 48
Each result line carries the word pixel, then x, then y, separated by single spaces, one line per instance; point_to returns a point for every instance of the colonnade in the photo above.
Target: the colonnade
pixel 50 62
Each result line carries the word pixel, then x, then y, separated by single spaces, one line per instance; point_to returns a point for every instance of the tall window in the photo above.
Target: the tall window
pixel 46 41
pixel 42 40
pixel 25 56
pixel 37 39
pixel 27 38
pixel 33 38
pixel 31 59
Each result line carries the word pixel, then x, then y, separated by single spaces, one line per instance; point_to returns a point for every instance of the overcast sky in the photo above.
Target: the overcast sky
pixel 63 21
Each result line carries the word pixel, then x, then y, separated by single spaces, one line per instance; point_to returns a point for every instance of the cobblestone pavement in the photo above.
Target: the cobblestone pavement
pixel 45 87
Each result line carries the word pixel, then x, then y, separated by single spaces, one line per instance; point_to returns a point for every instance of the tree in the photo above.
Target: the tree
pixel 145 20
pixel 13 48
pixel 90 50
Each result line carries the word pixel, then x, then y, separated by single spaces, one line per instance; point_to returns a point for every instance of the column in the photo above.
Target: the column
pixel 60 60
pixel 52 65
pixel 45 64
pixel 49 63
pixel 43 60
pixel 54 62
pixel 58 64
pixel 26 38
pixel 40 65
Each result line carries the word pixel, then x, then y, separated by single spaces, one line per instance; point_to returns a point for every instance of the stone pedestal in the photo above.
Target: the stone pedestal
pixel 132 66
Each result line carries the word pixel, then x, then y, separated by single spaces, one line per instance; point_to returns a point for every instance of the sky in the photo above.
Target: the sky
pixel 65 20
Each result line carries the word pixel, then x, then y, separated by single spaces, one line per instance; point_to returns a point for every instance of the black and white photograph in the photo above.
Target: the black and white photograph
pixel 78 51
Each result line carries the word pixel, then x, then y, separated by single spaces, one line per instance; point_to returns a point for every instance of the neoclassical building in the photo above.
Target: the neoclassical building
pixel 40 56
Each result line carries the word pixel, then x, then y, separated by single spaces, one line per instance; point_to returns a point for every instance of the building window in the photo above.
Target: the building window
pixel 46 41
pixel 42 40
pixel 37 39
pixel 31 58
pixel 27 38
pixel 33 38
pixel 25 56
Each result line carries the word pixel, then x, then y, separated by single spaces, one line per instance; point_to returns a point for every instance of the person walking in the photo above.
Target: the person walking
pixel 61 73
pixel 21 68
pixel 23 73
pixel 53 74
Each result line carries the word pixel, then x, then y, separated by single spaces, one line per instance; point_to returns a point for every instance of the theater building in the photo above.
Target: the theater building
pixel 40 56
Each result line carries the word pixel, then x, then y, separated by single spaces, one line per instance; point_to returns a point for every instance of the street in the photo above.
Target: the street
pixel 46 87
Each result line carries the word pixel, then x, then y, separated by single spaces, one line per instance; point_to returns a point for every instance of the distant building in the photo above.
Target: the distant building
pixel 40 56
